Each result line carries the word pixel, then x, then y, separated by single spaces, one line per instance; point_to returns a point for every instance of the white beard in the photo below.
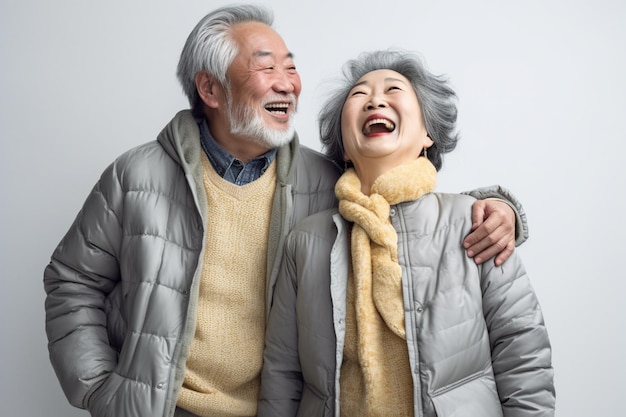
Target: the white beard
pixel 244 121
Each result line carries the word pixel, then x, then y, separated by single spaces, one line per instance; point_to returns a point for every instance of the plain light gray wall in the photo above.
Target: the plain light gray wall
pixel 542 103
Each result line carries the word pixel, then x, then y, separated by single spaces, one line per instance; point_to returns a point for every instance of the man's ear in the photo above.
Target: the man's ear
pixel 208 89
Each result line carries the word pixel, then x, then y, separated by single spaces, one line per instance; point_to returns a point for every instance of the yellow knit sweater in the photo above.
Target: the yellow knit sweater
pixel 225 358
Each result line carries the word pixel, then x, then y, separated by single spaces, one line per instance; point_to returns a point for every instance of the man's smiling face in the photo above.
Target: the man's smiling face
pixel 264 85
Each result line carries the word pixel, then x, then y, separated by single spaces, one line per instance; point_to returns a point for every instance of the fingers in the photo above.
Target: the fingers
pixel 478 213
pixel 479 239
pixel 492 238
pixel 493 225
pixel 489 250
pixel 504 255
pixel 478 232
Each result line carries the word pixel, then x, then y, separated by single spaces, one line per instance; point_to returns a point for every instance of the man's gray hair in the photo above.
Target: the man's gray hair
pixel 436 97
pixel 210 47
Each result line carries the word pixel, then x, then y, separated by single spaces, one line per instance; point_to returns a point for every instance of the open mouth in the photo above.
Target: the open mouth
pixel 277 108
pixel 378 126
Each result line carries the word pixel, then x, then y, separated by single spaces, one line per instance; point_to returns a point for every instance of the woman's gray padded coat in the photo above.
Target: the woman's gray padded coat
pixel 475 334
pixel 121 286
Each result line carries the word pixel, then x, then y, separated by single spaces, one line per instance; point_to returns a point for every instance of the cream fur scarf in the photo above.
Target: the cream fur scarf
pixel 377 274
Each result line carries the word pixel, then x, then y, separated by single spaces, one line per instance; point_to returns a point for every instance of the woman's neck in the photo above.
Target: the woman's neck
pixel 369 173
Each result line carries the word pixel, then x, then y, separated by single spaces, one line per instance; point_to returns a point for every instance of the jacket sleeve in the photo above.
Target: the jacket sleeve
pixel 496 191
pixel 83 270
pixel 281 378
pixel 520 348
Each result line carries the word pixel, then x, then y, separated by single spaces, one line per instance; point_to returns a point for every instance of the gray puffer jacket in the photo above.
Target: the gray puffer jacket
pixel 122 284
pixel 475 334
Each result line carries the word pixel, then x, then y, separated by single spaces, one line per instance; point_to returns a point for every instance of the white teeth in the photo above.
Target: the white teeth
pixel 277 107
pixel 388 125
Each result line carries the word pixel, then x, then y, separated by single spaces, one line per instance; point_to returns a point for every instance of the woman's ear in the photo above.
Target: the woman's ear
pixel 208 89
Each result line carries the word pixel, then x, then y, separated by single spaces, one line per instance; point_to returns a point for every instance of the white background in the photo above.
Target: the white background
pixel 542 89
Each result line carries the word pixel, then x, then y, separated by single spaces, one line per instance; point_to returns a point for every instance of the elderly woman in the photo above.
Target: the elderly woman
pixel 378 311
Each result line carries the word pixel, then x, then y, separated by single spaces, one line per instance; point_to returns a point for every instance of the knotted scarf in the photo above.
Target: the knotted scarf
pixel 371 385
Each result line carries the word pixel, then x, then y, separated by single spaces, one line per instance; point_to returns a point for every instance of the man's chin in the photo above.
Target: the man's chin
pixel 269 133
pixel 278 128
pixel 278 138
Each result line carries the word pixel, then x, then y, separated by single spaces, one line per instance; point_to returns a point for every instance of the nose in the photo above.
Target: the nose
pixel 286 83
pixel 375 102
pixel 283 86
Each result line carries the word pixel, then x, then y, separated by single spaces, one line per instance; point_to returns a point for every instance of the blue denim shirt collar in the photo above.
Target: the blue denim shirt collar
pixel 227 166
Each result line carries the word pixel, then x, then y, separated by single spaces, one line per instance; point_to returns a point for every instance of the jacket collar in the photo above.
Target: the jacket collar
pixel 180 138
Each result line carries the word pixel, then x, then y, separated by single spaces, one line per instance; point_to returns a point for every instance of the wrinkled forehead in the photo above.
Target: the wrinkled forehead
pixel 256 40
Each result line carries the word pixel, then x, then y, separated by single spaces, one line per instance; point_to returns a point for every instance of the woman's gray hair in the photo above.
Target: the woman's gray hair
pixel 436 97
pixel 210 47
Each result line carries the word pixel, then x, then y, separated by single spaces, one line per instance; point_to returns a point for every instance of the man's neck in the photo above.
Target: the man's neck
pixel 242 148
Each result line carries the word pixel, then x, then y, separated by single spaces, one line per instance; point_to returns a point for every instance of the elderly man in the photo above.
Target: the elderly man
pixel 158 294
